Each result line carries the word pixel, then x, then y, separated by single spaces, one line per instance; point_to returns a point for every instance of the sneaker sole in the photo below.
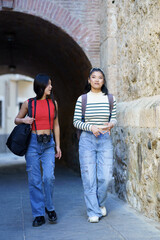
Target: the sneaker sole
pixel 92 221
pixel 52 221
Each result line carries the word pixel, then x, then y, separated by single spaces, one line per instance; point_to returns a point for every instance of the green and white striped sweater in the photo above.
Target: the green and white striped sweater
pixel 97 111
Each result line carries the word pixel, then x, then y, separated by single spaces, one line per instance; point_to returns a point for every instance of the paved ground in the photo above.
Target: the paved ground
pixel 122 222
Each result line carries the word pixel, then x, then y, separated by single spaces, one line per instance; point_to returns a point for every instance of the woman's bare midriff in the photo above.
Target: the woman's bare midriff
pixel 46 131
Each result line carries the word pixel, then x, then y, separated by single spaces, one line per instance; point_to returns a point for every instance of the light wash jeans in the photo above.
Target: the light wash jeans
pixel 40 188
pixel 96 160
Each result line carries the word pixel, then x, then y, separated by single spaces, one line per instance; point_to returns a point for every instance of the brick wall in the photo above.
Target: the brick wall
pixel 80 19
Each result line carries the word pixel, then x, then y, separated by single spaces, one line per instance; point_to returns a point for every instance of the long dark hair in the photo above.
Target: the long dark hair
pixel 40 83
pixel 88 85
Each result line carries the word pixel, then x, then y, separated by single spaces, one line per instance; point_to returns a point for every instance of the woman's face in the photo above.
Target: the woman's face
pixel 48 89
pixel 96 80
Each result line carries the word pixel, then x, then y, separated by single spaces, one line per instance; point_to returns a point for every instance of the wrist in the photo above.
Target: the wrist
pixel 23 120
pixel 112 124
pixel 90 128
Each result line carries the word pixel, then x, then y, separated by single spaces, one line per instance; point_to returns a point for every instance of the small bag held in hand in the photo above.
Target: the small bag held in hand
pixel 19 138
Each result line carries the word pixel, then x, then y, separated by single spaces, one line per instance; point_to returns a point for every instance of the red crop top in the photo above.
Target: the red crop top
pixel 42 114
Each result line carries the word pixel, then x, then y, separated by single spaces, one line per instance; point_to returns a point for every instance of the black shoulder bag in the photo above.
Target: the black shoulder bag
pixel 19 138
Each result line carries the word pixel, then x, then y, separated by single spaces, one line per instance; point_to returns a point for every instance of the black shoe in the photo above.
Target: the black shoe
pixel 38 221
pixel 52 217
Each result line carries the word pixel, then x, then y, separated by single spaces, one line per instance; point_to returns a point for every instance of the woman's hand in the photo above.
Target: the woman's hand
pixel 108 127
pixel 58 152
pixel 96 131
pixel 28 120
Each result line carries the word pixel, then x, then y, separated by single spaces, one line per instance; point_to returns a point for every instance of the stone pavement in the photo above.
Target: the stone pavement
pixel 122 222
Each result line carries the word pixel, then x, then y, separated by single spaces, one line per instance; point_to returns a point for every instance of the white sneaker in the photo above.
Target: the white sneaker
pixel 103 211
pixel 94 219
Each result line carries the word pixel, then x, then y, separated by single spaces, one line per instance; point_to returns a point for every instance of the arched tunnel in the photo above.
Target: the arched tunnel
pixel 29 45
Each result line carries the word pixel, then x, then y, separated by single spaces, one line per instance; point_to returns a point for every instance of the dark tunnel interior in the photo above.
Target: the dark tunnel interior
pixel 30 45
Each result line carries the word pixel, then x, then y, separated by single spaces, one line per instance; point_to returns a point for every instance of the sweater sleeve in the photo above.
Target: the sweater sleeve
pixel 77 120
pixel 114 112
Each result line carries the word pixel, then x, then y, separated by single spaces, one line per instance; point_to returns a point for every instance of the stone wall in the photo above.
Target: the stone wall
pixel 108 43
pixel 137 156
pixel 136 138
pixel 138 40
pixel 134 59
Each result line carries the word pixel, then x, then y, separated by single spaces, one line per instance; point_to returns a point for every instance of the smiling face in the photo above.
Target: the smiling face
pixel 96 80
pixel 48 89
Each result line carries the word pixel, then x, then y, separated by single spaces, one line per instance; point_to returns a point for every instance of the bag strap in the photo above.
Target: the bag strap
pixel 84 103
pixel 30 107
pixel 49 116
pixel 35 115
pixel 110 99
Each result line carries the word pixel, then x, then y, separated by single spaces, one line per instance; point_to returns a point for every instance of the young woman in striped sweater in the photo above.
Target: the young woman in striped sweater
pixel 95 145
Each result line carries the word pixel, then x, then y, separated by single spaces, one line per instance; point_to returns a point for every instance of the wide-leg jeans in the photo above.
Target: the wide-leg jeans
pixel 96 160
pixel 40 185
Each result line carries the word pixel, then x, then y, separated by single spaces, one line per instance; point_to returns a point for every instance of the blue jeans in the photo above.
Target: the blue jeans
pixel 96 160
pixel 40 188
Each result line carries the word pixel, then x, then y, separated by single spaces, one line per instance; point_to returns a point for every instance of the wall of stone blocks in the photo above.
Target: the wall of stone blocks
pixel 138 42
pixel 133 55
pixel 137 155
pixel 108 43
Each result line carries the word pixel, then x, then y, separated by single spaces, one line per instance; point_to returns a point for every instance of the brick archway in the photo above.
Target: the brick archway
pixel 39 46
pixel 47 37
pixel 53 11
